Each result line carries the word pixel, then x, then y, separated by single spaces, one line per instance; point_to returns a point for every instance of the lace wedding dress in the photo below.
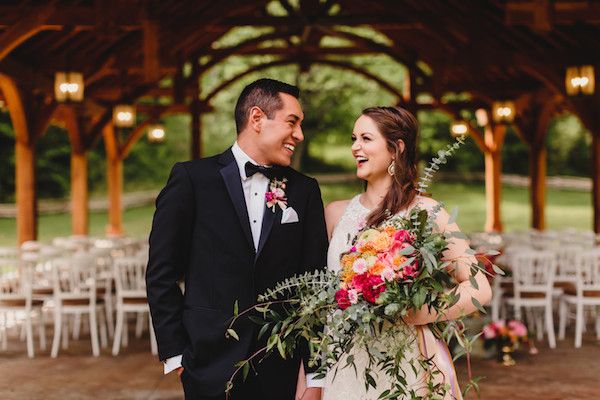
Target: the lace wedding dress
pixel 345 383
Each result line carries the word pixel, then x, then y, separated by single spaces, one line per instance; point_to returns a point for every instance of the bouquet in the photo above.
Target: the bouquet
pixel 388 271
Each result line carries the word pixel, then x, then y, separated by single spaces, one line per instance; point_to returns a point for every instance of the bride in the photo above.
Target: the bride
pixel 384 147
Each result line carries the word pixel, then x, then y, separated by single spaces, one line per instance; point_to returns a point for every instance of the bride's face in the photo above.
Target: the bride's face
pixel 370 150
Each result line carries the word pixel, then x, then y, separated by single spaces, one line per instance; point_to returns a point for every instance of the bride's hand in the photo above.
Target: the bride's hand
pixel 419 317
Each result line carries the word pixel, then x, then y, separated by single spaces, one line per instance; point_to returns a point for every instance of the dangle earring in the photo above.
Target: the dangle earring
pixel 392 168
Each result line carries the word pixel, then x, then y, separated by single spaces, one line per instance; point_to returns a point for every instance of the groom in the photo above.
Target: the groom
pixel 214 229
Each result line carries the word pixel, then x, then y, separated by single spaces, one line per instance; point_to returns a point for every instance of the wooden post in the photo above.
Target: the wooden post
pixel 79 171
pixel 25 191
pixel 24 161
pixel 494 138
pixel 115 182
pixel 79 193
pixel 537 185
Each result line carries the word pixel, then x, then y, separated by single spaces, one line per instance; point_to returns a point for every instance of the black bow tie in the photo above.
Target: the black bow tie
pixel 252 169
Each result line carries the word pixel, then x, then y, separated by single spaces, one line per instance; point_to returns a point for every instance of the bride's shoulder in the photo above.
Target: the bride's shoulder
pixel 425 202
pixel 334 212
pixel 335 209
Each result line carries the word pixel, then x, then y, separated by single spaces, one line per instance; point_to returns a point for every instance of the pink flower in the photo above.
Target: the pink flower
pixel 359 266
pixel 353 249
pixel 489 332
pixel 517 328
pixel 341 296
pixel 372 288
pixel 353 296
pixel 403 236
pixel 411 271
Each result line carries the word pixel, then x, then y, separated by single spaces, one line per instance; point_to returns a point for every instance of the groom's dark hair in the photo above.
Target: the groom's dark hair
pixel 264 94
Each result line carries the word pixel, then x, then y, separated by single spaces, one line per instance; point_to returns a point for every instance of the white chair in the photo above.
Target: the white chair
pixel 16 297
pixel 585 292
pixel 130 282
pixel 104 282
pixel 533 280
pixel 566 265
pixel 74 280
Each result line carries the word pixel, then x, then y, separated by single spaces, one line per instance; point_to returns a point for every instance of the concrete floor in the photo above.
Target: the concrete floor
pixel 563 373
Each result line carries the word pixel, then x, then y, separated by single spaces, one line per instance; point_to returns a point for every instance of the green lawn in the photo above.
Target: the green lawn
pixel 564 209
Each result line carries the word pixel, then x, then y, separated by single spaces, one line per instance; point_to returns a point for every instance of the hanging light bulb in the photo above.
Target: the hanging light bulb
pixel 156 133
pixel 459 128
pixel 68 86
pixel 124 116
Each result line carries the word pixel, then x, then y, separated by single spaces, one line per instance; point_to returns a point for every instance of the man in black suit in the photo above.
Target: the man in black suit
pixel 213 228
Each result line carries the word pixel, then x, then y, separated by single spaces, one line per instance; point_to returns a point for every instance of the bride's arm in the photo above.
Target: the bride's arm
pixel 461 261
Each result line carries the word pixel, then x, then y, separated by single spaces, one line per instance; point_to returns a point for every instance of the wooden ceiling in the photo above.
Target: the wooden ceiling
pixel 492 49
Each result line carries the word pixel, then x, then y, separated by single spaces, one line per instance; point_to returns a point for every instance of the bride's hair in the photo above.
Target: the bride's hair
pixel 395 124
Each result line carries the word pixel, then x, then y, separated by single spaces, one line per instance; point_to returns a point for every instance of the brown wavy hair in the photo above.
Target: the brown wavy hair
pixel 395 124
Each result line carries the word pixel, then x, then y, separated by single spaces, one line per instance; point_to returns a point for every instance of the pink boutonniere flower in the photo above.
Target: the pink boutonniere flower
pixel 276 194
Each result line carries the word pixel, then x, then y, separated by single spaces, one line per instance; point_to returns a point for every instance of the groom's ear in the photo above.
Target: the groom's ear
pixel 255 118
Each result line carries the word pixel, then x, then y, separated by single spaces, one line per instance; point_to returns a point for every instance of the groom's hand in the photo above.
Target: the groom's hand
pixel 312 393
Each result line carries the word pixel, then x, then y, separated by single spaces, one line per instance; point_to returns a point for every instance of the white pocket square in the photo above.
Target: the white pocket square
pixel 289 215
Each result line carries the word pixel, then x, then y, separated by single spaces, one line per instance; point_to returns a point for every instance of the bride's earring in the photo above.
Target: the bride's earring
pixel 392 168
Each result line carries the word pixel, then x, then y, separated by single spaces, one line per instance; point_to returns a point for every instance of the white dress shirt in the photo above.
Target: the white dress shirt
pixel 255 188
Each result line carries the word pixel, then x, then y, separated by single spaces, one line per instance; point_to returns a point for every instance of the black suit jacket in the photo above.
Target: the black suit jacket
pixel 201 232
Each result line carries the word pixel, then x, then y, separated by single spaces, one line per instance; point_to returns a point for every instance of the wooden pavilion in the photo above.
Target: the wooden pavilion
pixel 537 57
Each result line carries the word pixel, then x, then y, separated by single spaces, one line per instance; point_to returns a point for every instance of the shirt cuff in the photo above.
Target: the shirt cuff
pixel 311 381
pixel 172 363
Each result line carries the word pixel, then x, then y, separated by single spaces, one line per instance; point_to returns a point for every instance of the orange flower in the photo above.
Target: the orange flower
pixel 347 275
pixel 348 260
pixel 382 242
pixel 377 268
pixel 367 247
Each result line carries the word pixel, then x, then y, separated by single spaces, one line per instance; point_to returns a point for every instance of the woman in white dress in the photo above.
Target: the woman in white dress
pixel 384 146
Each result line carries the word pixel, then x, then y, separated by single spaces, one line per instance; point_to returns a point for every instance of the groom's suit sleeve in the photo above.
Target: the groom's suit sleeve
pixel 315 245
pixel 169 253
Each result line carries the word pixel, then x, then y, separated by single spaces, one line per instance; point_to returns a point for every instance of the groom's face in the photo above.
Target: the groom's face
pixel 279 135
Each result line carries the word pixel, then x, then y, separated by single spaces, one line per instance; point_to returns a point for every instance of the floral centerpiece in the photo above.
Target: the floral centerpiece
pixel 506 336
pixel 387 271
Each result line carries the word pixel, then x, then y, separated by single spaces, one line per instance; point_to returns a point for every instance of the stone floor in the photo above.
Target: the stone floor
pixel 563 373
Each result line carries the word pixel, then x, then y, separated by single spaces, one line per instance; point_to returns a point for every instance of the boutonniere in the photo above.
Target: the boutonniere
pixel 276 194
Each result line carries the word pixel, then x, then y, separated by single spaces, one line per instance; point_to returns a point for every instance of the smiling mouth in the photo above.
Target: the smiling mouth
pixel 361 160
pixel 290 147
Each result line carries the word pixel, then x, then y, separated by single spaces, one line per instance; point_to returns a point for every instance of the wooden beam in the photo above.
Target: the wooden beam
pixel 24 29
pixel 151 50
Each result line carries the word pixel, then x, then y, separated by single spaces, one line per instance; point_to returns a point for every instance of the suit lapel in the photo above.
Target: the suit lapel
pixel 269 218
pixel 233 182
